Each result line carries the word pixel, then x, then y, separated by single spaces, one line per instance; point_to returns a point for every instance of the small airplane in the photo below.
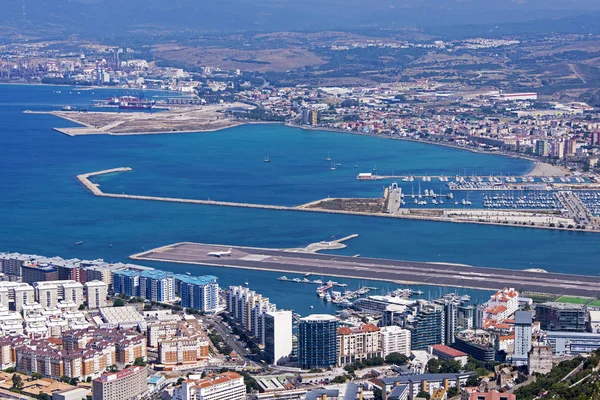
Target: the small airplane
pixel 220 254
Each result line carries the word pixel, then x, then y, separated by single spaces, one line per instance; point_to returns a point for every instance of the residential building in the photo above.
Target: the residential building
pixel 157 285
pixel 317 341
pixel 98 273
pixel 523 321
pixel 502 305
pixel 126 282
pixel 95 294
pixel 278 335
pixel 128 384
pixel 31 273
pixel 199 292
pixel 181 350
pixel 358 344
pixel 225 386
pixel 248 308
pixel 395 339
pixel 426 326
pixel 560 317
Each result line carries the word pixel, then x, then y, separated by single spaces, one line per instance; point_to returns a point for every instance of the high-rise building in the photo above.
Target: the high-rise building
pixel 248 308
pixel 97 273
pixel 358 344
pixel 317 341
pixel 38 273
pixel 523 321
pixel 560 317
pixel 426 326
pixel 95 294
pixel 126 282
pixel 199 292
pixel 542 148
pixel 395 339
pixel 314 117
pixel 595 138
pixel 130 383
pixel 157 285
pixel 278 335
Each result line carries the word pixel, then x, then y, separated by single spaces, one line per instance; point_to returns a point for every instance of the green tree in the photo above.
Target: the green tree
pixel 424 395
pixel 179 381
pixel 339 379
pixel 377 394
pixel 44 396
pixel 396 359
pixel 36 375
pixel 453 391
pixel 118 303
pixel 17 382
pixel 473 380
pixel 139 362
pixel 433 366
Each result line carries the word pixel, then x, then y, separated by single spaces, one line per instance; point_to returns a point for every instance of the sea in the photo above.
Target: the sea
pixel 45 210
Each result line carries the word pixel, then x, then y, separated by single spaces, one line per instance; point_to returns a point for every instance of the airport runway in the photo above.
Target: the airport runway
pixel 375 268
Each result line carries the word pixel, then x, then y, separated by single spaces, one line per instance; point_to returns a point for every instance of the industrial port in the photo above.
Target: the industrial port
pixel 400 272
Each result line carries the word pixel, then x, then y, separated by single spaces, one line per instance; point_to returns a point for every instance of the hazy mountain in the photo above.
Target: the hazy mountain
pixel 110 18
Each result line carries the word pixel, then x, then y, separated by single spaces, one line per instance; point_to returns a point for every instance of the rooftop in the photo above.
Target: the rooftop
pixel 196 280
pixel 319 318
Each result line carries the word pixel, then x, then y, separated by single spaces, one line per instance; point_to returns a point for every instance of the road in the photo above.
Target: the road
pixel 407 272
pixel 230 338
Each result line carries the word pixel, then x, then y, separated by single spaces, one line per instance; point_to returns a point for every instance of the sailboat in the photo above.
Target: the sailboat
pixel 267 159
pixel 328 157
pixel 333 166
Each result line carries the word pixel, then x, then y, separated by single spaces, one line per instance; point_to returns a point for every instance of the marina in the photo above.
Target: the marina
pixel 396 271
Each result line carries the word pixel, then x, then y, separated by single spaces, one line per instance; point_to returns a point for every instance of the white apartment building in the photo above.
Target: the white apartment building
pixel 278 335
pixel 502 305
pixel 95 294
pixel 49 293
pixel 225 386
pixel 395 339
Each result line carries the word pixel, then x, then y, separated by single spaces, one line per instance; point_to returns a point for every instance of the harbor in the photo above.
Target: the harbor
pixel 396 271
pixel 391 207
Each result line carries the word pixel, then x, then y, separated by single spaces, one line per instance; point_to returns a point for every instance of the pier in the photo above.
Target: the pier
pixel 396 271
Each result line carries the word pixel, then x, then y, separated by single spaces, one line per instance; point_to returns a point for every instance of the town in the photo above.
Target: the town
pixel 78 328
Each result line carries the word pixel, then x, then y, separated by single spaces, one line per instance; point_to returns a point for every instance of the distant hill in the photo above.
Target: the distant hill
pixel 120 18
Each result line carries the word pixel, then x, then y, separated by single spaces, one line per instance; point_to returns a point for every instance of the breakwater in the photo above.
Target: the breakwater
pixel 448 215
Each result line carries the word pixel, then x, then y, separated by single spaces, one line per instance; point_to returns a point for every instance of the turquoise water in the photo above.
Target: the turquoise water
pixel 44 210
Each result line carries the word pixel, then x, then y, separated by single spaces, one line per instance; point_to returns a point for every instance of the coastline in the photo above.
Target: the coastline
pixel 429 142
pixel 538 168
pixel 96 191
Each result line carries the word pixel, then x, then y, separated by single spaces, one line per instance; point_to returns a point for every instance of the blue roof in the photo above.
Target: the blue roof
pixel 155 379
pixel 155 274
pixel 126 272
pixel 196 280
pixel 315 394
pixel 398 392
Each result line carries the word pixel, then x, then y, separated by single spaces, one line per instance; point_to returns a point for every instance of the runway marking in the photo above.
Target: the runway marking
pixel 254 257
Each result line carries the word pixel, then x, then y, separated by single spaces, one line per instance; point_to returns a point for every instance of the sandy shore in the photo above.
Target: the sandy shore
pixel 545 169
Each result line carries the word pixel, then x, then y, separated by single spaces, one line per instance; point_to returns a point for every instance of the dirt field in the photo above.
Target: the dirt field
pixel 177 119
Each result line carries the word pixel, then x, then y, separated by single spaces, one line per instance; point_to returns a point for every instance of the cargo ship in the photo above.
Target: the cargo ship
pixel 126 103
